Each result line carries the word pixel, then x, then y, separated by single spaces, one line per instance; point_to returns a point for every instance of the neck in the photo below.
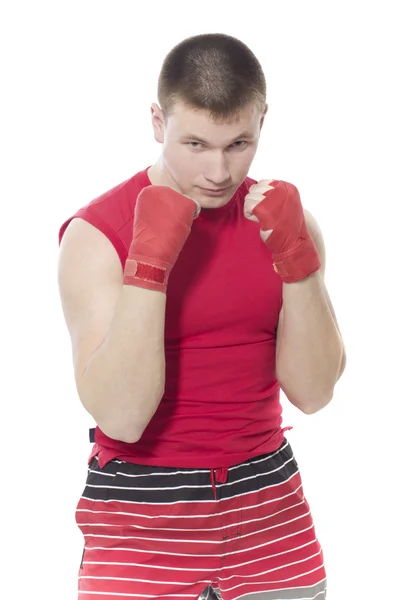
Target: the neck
pixel 158 175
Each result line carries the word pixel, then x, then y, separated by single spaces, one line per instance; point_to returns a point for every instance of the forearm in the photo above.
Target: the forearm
pixel 123 383
pixel 310 350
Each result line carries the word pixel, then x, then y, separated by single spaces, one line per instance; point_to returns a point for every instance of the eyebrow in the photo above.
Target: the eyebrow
pixel 192 136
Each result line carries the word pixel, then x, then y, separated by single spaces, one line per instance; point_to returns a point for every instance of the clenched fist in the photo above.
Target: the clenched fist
pixel 276 205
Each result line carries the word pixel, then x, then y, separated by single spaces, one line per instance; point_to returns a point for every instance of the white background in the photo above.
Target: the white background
pixel 77 81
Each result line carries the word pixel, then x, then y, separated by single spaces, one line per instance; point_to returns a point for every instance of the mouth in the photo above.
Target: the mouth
pixel 214 192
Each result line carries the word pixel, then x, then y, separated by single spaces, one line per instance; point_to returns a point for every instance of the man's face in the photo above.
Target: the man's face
pixel 208 160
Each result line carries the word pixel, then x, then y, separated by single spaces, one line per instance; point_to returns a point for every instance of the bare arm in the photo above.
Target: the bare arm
pixel 117 334
pixel 310 356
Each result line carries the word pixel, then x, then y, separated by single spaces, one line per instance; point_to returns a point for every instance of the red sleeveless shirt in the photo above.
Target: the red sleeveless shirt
pixel 221 404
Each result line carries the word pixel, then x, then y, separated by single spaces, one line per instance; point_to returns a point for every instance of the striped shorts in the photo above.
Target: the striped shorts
pixel 160 532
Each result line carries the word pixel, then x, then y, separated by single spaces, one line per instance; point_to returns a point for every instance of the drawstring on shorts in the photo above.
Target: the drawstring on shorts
pixel 221 475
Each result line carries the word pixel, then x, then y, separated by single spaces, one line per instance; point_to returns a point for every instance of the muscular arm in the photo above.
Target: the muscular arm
pixel 310 352
pixel 117 334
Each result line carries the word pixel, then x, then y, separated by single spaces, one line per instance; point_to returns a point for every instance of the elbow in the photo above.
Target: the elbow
pixel 128 425
pixel 133 426
pixel 120 414
pixel 308 402
pixel 125 431
pixel 311 405
pixel 129 437
pixel 128 431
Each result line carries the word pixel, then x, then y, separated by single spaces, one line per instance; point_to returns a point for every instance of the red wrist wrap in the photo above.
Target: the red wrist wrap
pixel 162 223
pixel 293 250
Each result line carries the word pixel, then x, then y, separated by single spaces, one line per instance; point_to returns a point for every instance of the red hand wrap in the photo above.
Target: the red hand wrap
pixel 293 250
pixel 162 223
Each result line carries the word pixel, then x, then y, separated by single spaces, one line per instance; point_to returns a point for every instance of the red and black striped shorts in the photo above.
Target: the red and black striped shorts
pixel 160 532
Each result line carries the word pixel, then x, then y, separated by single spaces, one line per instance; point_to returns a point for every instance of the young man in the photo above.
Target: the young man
pixel 192 294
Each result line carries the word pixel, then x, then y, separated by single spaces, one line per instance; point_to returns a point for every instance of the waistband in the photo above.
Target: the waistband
pixel 219 475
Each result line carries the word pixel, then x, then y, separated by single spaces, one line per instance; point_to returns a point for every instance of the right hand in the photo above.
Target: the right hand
pixel 162 223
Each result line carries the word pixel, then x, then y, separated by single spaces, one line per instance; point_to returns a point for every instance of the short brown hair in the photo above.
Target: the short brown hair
pixel 214 72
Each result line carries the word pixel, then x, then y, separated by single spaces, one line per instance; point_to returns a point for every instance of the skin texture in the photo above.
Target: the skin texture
pixel 200 153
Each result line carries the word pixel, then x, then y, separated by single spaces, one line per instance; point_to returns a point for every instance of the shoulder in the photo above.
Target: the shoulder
pixel 111 213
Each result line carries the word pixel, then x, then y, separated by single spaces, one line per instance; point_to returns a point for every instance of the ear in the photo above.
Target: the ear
pixel 263 116
pixel 157 121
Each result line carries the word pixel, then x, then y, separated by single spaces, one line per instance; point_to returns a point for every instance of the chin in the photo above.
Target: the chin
pixel 210 203
pixel 214 201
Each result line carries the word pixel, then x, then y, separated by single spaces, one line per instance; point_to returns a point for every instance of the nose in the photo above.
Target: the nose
pixel 217 172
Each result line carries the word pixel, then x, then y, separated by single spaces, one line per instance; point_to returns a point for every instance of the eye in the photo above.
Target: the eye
pixel 239 144
pixel 195 145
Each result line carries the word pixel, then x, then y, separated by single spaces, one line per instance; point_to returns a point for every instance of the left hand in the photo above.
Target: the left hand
pixel 256 195
pixel 276 205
